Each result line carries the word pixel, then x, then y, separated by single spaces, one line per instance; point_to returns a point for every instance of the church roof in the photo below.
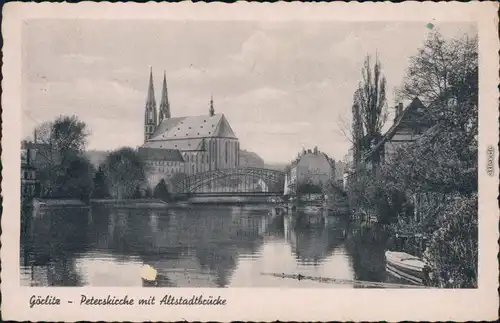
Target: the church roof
pixel 194 144
pixel 193 129
pixel 160 154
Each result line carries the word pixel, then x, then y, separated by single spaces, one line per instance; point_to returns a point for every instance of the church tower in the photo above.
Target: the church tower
pixel 164 104
pixel 150 118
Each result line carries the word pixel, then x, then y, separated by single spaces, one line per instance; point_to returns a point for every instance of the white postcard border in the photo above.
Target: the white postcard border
pixel 257 304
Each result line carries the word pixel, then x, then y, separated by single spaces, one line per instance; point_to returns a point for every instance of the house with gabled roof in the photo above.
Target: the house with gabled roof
pixel 409 125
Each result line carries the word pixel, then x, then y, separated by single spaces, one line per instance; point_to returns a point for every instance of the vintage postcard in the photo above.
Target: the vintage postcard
pixel 251 162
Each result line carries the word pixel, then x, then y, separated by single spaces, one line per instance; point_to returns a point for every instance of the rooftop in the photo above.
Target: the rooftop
pixel 194 127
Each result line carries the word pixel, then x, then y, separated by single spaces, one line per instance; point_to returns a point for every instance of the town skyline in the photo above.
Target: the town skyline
pixel 282 86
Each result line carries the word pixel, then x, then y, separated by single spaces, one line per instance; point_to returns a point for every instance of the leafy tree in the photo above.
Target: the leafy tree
pixel 62 169
pixel 124 171
pixel 101 189
pixel 161 191
pixel 308 187
pixel 148 192
pixel 443 162
pixel 137 192
pixel 445 75
pixel 453 247
pixel 64 136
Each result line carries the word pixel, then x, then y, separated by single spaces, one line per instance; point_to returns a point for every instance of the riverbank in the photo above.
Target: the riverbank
pixel 38 202
pixel 130 203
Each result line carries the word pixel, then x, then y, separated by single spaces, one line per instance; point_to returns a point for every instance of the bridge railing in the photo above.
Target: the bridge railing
pixel 249 180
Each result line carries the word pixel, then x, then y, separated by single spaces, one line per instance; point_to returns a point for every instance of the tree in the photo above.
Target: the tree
pixel 62 170
pixel 370 97
pixel 453 247
pixel 101 189
pixel 369 110
pixel 357 129
pixel 443 163
pixel 445 75
pixel 137 192
pixel 76 179
pixel 63 136
pixel 125 172
pixel 307 186
pixel 148 192
pixel 161 191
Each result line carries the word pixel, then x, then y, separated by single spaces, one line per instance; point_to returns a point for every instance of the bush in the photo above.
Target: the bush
pixel 161 191
pixel 125 174
pixel 453 248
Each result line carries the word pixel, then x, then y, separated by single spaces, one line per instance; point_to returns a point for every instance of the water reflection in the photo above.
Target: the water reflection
pixel 203 246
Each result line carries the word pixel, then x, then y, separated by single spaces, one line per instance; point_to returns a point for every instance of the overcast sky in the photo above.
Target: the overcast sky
pixel 282 86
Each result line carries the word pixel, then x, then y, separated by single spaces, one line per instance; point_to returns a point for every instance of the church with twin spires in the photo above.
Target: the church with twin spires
pixel 186 144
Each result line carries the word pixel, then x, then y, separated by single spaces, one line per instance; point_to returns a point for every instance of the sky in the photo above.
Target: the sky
pixel 283 86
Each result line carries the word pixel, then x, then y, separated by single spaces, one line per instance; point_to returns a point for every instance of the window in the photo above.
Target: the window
pixel 226 151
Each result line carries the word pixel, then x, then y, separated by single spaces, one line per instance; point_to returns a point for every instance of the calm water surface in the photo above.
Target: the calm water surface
pixel 199 246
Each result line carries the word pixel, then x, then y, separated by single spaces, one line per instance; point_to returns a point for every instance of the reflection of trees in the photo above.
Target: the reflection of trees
pixel 50 241
pixel 367 249
pixel 214 235
pixel 314 243
pixel 195 238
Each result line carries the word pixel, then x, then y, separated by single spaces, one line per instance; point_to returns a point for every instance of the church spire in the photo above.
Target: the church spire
pixel 164 104
pixel 150 100
pixel 150 113
pixel 212 111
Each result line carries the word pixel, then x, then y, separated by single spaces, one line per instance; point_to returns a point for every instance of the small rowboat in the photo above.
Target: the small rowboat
pixel 405 266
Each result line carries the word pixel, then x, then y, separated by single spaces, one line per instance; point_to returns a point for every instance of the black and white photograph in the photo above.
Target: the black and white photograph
pixel 251 153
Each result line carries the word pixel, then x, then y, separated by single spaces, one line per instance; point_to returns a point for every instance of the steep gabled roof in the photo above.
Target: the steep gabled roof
pixel 195 144
pixel 195 127
pixel 415 108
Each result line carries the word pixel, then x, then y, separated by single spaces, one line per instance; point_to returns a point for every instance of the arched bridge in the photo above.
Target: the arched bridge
pixel 244 181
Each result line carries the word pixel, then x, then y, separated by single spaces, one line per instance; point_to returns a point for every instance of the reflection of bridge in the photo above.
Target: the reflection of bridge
pixel 244 181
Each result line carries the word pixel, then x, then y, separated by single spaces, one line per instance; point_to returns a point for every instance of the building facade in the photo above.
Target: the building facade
pixel 28 171
pixel 204 143
pixel 310 167
pixel 409 125
pixel 161 164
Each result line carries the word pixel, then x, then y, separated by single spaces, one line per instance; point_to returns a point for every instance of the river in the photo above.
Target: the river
pixel 196 246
